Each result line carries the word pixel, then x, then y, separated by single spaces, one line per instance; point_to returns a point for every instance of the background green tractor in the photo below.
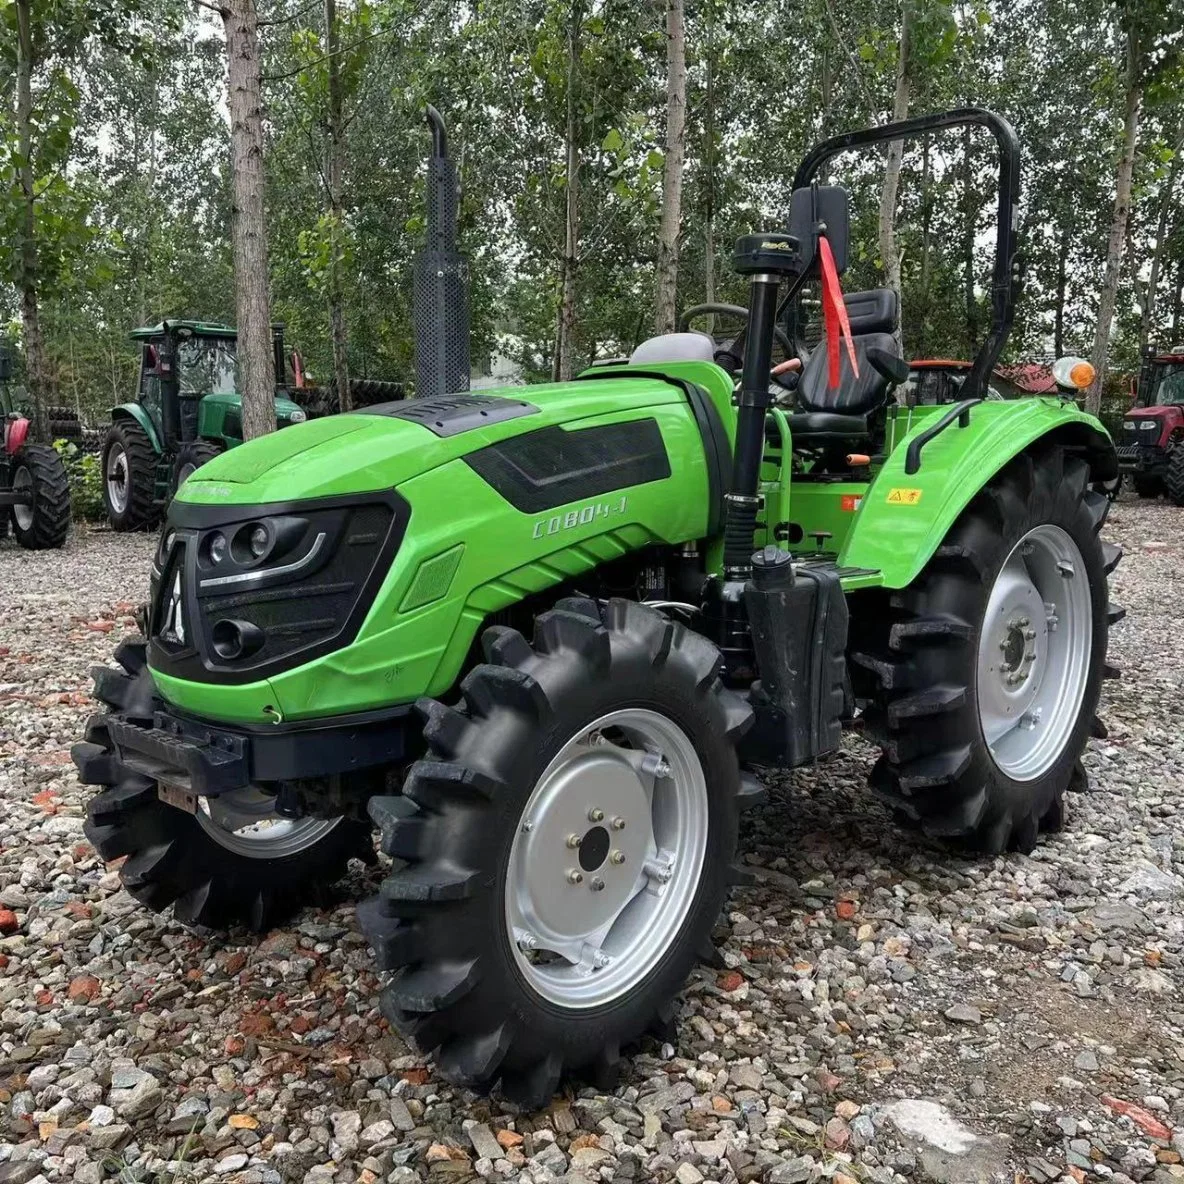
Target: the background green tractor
pixel 545 639
pixel 187 411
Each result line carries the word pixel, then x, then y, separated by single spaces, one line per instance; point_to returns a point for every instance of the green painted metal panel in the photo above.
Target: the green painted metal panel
pixel 137 412
pixel 904 517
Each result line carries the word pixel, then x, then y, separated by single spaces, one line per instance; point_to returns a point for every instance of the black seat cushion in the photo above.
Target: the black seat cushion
pixel 816 427
pixel 853 396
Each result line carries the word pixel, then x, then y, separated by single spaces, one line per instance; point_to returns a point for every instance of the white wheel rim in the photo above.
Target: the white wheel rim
pixel 22 482
pixel 118 478
pixel 1034 653
pixel 589 920
pixel 245 821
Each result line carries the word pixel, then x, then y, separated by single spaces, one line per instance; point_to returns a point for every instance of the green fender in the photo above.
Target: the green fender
pixel 903 517
pixel 136 412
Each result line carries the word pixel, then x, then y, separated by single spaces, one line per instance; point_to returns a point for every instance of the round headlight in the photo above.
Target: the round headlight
pixel 258 541
pixel 218 547
pixel 297 416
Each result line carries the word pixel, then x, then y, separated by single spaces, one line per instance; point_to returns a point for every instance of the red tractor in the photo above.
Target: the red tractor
pixel 34 491
pixel 1151 449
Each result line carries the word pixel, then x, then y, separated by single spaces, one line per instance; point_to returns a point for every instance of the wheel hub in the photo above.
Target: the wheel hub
pixel 246 822
pixel 117 479
pixel 607 858
pixel 1034 652
pixel 22 482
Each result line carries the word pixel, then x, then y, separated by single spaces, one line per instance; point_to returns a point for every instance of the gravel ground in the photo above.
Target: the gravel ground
pixel 887 1012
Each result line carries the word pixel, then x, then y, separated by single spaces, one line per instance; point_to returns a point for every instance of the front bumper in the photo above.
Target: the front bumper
pixel 1141 458
pixel 207 760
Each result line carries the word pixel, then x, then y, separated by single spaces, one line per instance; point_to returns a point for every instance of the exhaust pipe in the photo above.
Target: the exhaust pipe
pixel 441 282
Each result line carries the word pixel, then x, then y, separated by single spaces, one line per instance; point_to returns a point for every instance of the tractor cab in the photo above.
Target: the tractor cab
pixel 187 410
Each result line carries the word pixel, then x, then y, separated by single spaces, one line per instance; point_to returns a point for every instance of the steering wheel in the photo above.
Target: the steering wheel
pixel 730 354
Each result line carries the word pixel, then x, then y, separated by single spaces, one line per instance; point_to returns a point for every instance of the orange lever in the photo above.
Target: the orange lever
pixel 855 459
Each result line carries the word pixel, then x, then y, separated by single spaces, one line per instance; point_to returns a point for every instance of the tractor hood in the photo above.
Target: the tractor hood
pixel 384 446
pixel 1156 413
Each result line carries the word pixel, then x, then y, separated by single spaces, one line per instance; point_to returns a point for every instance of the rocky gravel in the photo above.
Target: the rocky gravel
pixel 884 1011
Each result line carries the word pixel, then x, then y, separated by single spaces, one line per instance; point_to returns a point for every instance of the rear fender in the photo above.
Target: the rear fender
pixel 135 412
pixel 903 518
pixel 15 437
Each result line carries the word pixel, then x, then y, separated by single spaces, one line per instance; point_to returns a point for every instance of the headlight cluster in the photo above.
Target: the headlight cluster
pixel 244 554
pixel 297 416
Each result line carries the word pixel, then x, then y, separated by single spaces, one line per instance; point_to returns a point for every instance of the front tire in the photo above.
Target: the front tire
pixel 190 458
pixel 523 923
pixel 44 523
pixel 129 477
pixel 235 862
pixel 989 675
pixel 1174 480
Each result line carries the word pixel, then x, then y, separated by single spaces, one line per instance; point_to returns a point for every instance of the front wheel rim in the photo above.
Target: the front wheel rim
pixel 22 482
pixel 606 863
pixel 1034 653
pixel 245 821
pixel 118 479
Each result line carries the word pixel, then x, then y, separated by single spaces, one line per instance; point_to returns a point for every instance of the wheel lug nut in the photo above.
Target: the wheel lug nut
pixel 597 884
pixel 617 857
pixel 595 815
pixel 575 877
pixel 618 824
pixel 1030 634
pixel 574 840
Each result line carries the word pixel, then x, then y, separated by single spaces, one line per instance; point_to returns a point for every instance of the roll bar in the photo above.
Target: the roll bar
pixel 1007 277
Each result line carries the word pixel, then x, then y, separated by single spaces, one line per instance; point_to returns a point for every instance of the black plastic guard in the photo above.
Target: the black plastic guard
pixel 799 634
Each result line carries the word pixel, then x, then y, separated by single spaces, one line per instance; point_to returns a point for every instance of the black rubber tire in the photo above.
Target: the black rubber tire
pixel 1112 488
pixel 141 510
pixel 172 860
pixel 51 498
pixel 440 918
pixel 195 453
pixel 1146 486
pixel 1174 479
pixel 935 765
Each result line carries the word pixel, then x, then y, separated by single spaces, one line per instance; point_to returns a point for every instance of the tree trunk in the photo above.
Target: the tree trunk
pixel 566 320
pixel 1147 318
pixel 1178 304
pixel 30 311
pixel 900 110
pixel 969 229
pixel 334 173
pixel 1122 209
pixel 248 226
pixel 1058 324
pixel 676 124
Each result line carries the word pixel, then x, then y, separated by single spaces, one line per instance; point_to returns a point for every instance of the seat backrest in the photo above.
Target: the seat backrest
pixel 872 315
pixel 853 396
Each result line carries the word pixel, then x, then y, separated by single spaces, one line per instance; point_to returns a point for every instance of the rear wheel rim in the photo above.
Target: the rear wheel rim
pixel 118 479
pixel 245 822
pixel 22 482
pixel 1034 653
pixel 606 864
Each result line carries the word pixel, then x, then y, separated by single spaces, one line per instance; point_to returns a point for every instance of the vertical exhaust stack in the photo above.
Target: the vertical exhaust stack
pixel 441 282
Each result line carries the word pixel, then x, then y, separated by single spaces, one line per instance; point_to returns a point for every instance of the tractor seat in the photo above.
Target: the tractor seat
pixel 826 427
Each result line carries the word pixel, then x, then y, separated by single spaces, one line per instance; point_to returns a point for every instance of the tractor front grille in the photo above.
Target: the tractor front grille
pixel 221 613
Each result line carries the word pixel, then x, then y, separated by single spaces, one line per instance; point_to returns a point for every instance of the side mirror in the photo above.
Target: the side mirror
pixel 829 204
pixel 888 366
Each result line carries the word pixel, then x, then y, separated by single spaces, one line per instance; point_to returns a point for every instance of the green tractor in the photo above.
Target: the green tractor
pixel 187 411
pixel 543 640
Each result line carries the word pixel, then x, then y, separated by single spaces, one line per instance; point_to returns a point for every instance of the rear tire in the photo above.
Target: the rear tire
pixel 129 477
pixel 1147 487
pixel 937 694
pixel 186 860
pixel 495 999
pixel 190 458
pixel 44 523
pixel 1174 480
